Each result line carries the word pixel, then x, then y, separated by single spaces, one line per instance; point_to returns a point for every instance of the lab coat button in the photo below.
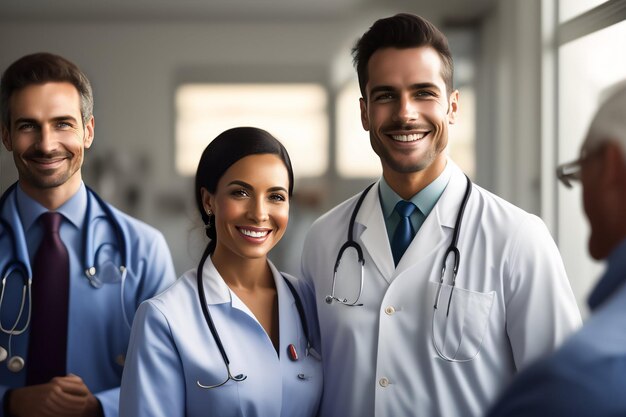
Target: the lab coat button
pixel 383 382
pixel 390 310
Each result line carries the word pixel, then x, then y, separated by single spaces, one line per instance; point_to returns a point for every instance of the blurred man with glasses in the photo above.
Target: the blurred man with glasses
pixel 587 375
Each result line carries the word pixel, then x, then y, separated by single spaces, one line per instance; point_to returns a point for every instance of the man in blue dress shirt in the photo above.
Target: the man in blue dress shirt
pixel 47 123
pixel 587 375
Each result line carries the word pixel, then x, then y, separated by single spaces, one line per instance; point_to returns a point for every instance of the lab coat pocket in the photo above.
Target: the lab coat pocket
pixel 460 323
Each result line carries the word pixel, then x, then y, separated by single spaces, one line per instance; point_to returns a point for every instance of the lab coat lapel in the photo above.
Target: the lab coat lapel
pixel 437 229
pixel 12 216
pixel 370 228
pixel 425 243
pixel 215 289
pixel 12 287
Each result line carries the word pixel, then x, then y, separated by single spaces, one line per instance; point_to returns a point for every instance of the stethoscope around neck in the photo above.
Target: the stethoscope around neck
pixel 451 250
pixel 18 263
pixel 218 340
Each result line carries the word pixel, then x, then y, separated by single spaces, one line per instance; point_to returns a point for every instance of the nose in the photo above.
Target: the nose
pixel 46 141
pixel 406 109
pixel 258 210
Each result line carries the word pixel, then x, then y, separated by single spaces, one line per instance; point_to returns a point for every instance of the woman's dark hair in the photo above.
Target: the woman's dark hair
pixel 227 148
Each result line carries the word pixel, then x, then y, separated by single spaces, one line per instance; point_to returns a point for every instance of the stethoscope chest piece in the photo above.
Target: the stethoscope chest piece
pixel 3 354
pixel 15 364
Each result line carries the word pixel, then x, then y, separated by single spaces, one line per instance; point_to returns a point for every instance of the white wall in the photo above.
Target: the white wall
pixel 509 103
pixel 134 68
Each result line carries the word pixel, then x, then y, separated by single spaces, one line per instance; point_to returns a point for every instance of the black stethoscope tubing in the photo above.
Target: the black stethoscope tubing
pixel 90 271
pixel 215 333
pixel 351 243
pixel 16 264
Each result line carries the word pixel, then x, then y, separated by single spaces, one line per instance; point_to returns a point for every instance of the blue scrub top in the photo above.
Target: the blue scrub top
pixel 172 348
pixel 98 333
pixel 587 375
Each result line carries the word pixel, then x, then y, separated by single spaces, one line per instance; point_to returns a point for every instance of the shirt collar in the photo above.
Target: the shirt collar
pixel 217 291
pixel 215 288
pixel 73 209
pixel 425 200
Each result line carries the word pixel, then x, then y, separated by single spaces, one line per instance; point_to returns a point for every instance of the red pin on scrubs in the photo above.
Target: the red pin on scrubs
pixel 293 354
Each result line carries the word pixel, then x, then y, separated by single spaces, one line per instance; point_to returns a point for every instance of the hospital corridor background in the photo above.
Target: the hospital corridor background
pixel 170 75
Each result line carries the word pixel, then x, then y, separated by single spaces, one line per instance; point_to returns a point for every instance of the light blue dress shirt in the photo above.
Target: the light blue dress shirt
pixel 425 200
pixel 587 375
pixel 172 349
pixel 98 333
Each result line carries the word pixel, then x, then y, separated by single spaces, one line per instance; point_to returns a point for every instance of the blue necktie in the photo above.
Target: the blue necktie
pixel 47 346
pixel 404 232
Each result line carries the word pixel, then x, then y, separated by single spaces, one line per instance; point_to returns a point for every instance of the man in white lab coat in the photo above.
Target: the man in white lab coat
pixel 405 343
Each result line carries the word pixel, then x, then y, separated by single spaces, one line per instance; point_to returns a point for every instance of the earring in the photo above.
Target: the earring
pixel 208 223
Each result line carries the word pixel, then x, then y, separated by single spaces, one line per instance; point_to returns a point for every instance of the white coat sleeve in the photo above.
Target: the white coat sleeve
pixel 153 384
pixel 541 309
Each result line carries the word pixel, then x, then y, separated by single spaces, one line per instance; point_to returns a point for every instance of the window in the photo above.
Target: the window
pixel 294 113
pixel 572 8
pixel 589 63
pixel 355 157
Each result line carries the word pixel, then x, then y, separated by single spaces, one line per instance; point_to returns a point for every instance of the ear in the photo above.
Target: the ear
pixel 207 200
pixel 6 139
pixel 364 118
pixel 89 132
pixel 453 106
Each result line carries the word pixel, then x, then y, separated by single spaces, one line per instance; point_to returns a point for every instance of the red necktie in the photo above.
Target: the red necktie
pixel 47 346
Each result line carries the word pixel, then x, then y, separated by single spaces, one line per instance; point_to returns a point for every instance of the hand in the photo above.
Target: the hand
pixel 64 396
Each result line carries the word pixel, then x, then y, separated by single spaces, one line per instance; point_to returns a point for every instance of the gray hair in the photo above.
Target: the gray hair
pixel 609 122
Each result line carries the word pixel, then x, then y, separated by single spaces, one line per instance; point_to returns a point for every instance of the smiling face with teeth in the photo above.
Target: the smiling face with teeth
pixel 407 111
pixel 48 140
pixel 250 207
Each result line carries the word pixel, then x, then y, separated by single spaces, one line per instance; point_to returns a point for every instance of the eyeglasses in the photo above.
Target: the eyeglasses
pixel 570 172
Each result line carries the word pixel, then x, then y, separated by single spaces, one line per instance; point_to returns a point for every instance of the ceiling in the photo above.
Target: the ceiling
pixel 233 10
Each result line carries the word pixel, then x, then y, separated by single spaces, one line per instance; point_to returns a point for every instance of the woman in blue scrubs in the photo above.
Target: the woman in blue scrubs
pixel 262 319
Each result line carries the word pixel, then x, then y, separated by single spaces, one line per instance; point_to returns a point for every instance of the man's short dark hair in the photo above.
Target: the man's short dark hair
pixel 42 68
pixel 401 31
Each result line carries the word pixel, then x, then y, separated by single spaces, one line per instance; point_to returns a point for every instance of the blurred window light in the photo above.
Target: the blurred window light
pixel 588 69
pixel 568 9
pixel 355 157
pixel 296 114
pixel 462 141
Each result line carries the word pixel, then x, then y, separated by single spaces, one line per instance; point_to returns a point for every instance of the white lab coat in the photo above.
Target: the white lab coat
pixel 171 349
pixel 512 304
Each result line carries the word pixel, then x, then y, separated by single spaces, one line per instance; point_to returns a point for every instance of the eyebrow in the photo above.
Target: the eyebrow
pixel 35 121
pixel 250 187
pixel 417 86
